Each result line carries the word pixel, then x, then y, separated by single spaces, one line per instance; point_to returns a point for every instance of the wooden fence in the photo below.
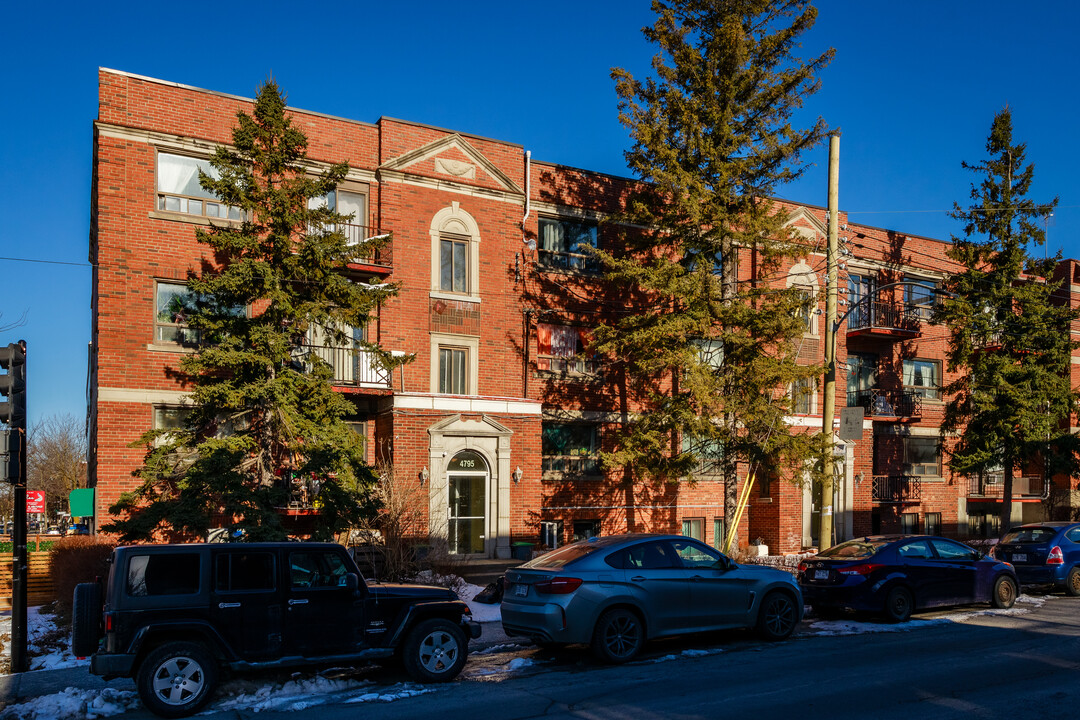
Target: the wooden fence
pixel 39 587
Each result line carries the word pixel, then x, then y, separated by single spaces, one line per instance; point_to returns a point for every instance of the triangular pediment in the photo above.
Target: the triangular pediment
pixel 456 425
pixel 454 157
pixel 806 223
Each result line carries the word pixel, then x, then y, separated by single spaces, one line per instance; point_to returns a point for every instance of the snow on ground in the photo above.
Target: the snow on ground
pixel 497 667
pixel 47 647
pixel 1024 605
pixel 481 612
pixel 691 653
pixel 74 704
pixel 301 693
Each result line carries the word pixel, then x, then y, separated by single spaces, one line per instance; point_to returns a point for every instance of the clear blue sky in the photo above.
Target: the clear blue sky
pixel 913 88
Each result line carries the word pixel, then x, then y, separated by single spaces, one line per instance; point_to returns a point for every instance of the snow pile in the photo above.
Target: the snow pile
pixel 475 671
pixel 48 647
pixel 853 627
pixel 481 612
pixel 504 647
pixel 301 693
pixel 692 653
pixel 74 704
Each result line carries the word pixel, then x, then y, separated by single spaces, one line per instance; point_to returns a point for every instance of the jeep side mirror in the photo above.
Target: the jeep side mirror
pixel 352 582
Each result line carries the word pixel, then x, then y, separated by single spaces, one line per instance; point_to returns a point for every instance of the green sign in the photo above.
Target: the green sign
pixel 81 503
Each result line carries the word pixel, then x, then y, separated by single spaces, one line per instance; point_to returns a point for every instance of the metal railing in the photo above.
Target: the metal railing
pixel 886 403
pixel 351 366
pixel 886 316
pixel 993 486
pixel 357 234
pixel 896 488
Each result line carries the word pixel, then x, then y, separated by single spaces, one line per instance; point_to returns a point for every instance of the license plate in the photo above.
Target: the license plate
pixel 521 590
pixel 1019 557
pixel 821 574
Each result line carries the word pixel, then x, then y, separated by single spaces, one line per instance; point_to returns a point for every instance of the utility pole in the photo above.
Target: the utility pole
pixel 825 525
pixel 13 414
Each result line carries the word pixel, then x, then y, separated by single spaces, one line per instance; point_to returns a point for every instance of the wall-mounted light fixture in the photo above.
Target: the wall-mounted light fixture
pixel 517 475
pixel 423 475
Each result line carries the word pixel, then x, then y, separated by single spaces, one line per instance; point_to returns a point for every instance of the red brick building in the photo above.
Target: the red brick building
pixel 498 418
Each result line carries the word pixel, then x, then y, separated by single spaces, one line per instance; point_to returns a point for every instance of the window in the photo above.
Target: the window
pixel 923 377
pixel 646 556
pixel 244 572
pixel 163 574
pixel 454 265
pixel 1073 535
pixel 709 452
pixel 179 189
pixel 453 370
pixel 984 525
pixel 570 447
pixel 718 532
pixel 802 396
pixel 585 529
pixel 694 528
pixel 694 555
pixel 921 456
pixel 861 378
pixel 949 550
pixel 861 291
pixel 173 305
pixel 170 417
pixel 909 523
pixel 316 570
pixel 920 295
pixel 351 204
pixel 561 243
pixel 933 523
pixel 551 533
pixel 711 352
pixel 807 309
pixel 558 346
pixel 919 549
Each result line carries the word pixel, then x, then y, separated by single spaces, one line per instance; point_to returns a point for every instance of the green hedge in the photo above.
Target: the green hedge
pixel 7 547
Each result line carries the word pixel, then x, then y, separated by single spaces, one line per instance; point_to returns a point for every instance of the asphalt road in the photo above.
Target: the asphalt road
pixel 992 666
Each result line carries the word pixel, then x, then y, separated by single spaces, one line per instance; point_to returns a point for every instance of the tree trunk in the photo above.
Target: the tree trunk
pixel 1006 498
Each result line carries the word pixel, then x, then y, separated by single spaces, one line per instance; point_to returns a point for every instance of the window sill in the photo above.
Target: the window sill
pixel 454 297
pixel 192 219
pixel 177 349
pixel 764 500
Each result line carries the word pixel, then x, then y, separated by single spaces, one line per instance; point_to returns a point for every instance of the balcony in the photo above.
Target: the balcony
pixel 993 486
pixel 886 320
pixel 351 367
pixel 887 404
pixel 896 488
pixel 375 261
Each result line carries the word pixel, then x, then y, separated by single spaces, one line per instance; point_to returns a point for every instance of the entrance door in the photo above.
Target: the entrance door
pixel 467 477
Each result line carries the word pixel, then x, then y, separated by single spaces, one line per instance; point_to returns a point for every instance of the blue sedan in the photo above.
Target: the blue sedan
pixel 1044 554
pixel 897 574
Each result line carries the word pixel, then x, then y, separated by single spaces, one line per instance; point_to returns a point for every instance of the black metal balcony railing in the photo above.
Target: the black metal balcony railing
pixel 880 403
pixel 351 366
pixel 896 488
pixel 357 234
pixel 992 486
pixel 891 317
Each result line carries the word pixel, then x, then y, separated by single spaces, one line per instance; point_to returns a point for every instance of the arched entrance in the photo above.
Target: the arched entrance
pixel 467 478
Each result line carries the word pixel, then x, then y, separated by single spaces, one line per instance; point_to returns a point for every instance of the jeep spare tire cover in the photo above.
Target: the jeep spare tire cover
pixel 85 619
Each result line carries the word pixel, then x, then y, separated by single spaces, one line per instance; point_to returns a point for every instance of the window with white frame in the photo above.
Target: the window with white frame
pixel 570 447
pixel 170 417
pixel 711 352
pixel 919 295
pixel 558 349
pixel 453 370
pixel 179 191
pixel 922 456
pixel 454 264
pixel 173 304
pixel 694 528
pixel 923 377
pixel 802 396
pixel 807 309
pixel 351 204
pixel 562 244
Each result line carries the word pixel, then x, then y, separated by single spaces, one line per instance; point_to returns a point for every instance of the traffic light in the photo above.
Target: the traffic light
pixel 13 385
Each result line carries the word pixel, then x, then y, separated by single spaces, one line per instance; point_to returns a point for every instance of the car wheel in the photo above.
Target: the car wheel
pixel 618 636
pixel 435 651
pixel 777 616
pixel 1004 593
pixel 1072 582
pixel 85 619
pixel 176 679
pixel 899 604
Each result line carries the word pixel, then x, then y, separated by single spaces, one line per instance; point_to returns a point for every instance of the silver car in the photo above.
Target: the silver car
pixel 617 592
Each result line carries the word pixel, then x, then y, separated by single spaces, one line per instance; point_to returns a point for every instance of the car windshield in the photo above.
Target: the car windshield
pixel 1030 535
pixel 563 556
pixel 853 549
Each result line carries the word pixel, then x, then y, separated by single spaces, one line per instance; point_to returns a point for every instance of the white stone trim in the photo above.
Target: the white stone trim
pixel 449 186
pixel 141 396
pixel 458 223
pixel 457 404
pixel 456 142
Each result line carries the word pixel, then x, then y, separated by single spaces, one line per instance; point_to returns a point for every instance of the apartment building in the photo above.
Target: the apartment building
pixel 497 418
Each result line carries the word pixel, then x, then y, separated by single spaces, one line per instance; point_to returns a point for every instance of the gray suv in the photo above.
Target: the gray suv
pixel 173 617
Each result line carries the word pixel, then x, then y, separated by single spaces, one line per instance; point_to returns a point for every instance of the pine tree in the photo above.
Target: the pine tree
pixel 1009 332
pixel 707 356
pixel 263 412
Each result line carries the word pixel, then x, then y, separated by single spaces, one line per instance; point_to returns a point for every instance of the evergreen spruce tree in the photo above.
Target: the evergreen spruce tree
pixel 710 357
pixel 1009 333
pixel 263 411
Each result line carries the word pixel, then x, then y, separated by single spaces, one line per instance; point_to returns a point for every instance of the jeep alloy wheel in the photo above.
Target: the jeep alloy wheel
pixel 176 679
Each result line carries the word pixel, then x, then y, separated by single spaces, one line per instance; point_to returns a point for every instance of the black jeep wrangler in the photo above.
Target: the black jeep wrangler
pixel 174 616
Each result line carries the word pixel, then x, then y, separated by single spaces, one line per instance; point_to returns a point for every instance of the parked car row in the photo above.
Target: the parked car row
pixel 616 593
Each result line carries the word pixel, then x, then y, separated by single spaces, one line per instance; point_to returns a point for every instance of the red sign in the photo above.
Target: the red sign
pixel 35 501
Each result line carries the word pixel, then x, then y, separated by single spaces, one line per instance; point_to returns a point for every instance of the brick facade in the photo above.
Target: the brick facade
pixel 424 184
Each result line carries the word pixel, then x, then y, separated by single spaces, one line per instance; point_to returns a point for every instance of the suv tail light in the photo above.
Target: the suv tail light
pixel 802 567
pixel 864 569
pixel 558 586
pixel 108 622
pixel 1055 557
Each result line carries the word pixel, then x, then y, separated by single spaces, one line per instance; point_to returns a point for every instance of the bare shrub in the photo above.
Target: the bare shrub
pixel 74 560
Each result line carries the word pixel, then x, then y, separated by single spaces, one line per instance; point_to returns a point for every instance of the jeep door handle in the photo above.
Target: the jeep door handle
pixel 638 578
pixel 298 602
pixel 222 606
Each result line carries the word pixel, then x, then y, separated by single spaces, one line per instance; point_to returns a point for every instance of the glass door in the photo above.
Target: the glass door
pixel 467 479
